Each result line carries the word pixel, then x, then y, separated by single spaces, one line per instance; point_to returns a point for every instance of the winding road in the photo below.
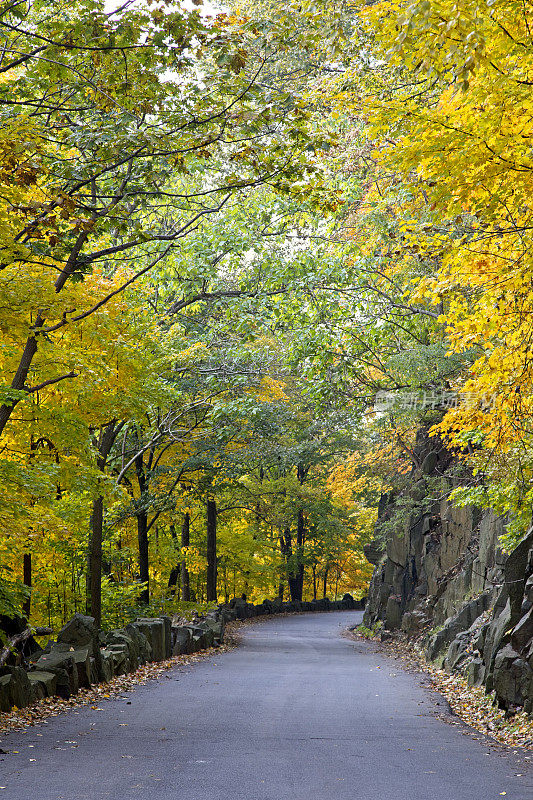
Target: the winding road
pixel 296 712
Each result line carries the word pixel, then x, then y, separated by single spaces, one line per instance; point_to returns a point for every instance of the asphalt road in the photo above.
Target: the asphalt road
pixel 295 713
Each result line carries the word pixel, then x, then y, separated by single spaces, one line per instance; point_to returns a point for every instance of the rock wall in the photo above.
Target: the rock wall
pixel 442 577
pixel 84 655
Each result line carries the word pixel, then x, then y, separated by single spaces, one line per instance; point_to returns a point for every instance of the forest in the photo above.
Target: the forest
pixel 247 252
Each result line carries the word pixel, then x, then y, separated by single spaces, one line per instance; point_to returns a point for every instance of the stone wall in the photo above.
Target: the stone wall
pixel 442 577
pixel 82 655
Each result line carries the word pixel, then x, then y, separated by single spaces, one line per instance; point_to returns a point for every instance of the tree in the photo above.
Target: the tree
pixel 184 572
pixel 451 118
pixel 104 160
pixel 160 242
pixel 104 441
pixel 211 591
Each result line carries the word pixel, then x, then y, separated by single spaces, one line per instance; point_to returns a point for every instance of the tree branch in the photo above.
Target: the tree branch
pixel 49 382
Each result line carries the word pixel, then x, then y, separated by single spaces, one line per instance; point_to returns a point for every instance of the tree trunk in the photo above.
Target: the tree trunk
pixel 296 569
pixel 173 580
pixel 185 541
pixel 295 587
pixel 142 537
pixel 95 559
pixel 285 542
pixel 175 571
pixel 19 380
pixel 211 551
pixel 326 570
pixel 225 579
pixel 314 581
pixel 142 530
pixel 300 568
pixel 27 582
pixel 104 443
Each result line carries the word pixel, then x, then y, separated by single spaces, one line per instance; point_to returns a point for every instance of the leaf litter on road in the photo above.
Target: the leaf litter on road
pixel 470 703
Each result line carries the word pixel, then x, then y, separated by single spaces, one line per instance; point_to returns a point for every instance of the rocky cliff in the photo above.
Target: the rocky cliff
pixel 441 576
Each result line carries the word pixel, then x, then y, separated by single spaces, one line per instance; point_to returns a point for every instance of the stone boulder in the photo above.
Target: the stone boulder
pixel 216 625
pixel 522 633
pixel 348 602
pixel 227 613
pixel 322 604
pixel 143 647
pixel 512 678
pixel 80 631
pixel 474 671
pixel 509 642
pixel 457 652
pixel 15 689
pixel 167 636
pixel 182 639
pixel 155 631
pixel 292 606
pixel 197 641
pixel 516 574
pixel 5 693
pixel 393 613
pixel 119 656
pixel 122 640
pixel 497 635
pixel 374 551
pixel 527 602
pixel 73 667
pixel 44 684
pixel 242 609
pixel 202 636
pixel 456 625
pixel 107 665
pixel 415 621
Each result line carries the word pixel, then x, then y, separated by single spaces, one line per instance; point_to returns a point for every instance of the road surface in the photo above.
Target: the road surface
pixel 295 713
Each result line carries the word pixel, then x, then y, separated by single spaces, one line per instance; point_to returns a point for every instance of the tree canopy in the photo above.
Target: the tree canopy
pixel 246 254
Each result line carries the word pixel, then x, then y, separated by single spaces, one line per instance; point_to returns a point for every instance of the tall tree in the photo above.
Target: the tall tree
pixel 105 196
pixel 184 571
pixel 104 440
pixel 211 550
